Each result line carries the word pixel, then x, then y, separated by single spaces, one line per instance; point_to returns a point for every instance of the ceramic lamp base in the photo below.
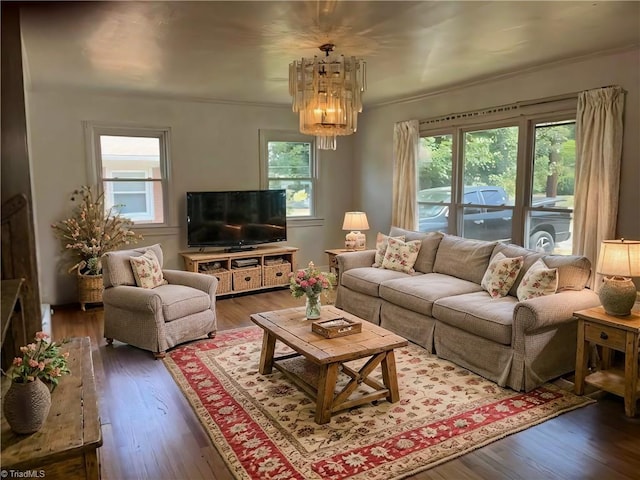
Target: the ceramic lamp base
pixel 355 241
pixel 617 295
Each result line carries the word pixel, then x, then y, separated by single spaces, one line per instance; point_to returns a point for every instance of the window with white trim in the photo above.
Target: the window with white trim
pixel 288 161
pixel 505 177
pixel 131 166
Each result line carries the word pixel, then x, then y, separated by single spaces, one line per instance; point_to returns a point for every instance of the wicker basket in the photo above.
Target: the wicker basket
pixel 90 289
pixel 276 275
pixel 247 278
pixel 224 279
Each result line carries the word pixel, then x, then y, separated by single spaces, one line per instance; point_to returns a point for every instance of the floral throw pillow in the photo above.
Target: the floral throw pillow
pixel 538 281
pixel 382 242
pixel 500 275
pixel 401 256
pixel 147 271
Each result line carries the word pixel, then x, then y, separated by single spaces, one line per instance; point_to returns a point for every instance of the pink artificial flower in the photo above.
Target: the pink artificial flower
pixel 304 284
pixel 41 335
pixel 33 363
pixel 41 366
pixel 312 281
pixel 300 274
pixel 17 361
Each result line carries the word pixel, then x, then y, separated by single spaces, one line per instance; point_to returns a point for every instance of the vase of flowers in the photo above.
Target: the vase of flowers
pixel 88 234
pixel 34 376
pixel 311 283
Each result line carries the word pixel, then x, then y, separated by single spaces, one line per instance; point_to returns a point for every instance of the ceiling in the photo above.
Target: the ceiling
pixel 239 51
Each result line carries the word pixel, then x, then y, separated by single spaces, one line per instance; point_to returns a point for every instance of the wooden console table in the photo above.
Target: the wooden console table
pixel 67 445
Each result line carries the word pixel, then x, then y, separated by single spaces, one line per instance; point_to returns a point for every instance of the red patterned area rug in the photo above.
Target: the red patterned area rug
pixel 263 426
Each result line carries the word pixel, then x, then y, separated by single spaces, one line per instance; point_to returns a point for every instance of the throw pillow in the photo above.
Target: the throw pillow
pixel 501 274
pixel 401 256
pixel 382 242
pixel 538 281
pixel 147 271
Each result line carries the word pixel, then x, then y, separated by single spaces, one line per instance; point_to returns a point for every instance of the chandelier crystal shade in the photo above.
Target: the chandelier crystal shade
pixel 327 93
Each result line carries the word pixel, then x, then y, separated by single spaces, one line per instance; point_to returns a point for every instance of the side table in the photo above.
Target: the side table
pixel 611 333
pixel 333 261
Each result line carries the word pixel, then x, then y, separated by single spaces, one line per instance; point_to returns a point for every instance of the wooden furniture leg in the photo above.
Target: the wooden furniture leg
pixel 582 357
pixel 631 374
pixel 326 389
pixel 390 377
pixel 266 355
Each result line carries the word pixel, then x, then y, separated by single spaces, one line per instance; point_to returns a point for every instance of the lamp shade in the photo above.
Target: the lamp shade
pixel 620 258
pixel 355 221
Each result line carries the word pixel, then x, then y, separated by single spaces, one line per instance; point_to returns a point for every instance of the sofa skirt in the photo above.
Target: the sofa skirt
pixel 413 326
pixel 359 304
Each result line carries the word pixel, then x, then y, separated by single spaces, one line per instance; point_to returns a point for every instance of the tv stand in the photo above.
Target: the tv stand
pixel 270 267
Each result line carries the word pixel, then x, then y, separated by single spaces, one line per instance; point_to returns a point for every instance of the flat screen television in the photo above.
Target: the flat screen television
pixel 236 219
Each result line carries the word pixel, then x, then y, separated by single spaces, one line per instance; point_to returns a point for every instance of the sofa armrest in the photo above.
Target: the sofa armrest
pixel 205 283
pixel 543 312
pixel 361 258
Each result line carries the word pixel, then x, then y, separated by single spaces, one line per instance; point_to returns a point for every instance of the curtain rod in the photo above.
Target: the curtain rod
pixel 510 106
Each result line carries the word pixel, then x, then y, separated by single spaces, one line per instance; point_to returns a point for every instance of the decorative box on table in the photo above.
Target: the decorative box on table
pixel 336 327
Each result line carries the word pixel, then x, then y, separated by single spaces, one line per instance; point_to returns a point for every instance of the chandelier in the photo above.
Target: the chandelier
pixel 328 95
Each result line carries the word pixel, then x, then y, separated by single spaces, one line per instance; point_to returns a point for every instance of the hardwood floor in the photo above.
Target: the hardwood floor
pixel 151 432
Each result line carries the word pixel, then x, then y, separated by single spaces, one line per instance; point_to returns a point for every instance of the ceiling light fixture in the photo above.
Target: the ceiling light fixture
pixel 328 95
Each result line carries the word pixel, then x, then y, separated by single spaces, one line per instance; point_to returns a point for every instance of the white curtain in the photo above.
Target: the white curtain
pixel 597 184
pixel 406 140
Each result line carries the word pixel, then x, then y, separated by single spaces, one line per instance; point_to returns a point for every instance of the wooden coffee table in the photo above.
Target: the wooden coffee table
pixel 329 357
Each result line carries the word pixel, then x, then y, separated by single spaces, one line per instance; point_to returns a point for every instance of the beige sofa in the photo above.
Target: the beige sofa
pixel 443 308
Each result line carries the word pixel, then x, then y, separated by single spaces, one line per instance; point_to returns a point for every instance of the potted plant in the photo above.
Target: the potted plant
pixel 311 282
pixel 34 375
pixel 88 234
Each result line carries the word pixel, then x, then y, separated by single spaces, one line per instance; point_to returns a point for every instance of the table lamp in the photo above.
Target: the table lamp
pixel 618 261
pixel 355 222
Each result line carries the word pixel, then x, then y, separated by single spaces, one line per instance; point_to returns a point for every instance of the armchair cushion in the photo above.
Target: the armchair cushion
pixel 147 270
pixel 179 301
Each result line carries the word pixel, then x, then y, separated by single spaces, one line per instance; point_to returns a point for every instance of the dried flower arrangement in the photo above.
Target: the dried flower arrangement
pixel 93 231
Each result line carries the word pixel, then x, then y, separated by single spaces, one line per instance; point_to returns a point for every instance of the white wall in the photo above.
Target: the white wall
pixel 214 146
pixel 374 142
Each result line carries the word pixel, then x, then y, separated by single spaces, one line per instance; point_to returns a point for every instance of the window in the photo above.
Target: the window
pixel 131 167
pixel 288 161
pixel 509 178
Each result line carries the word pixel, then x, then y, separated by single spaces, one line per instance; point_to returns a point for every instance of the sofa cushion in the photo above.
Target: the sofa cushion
pixel 367 280
pixel 179 301
pixel 479 314
pixel 529 258
pixel 538 281
pixel 382 242
pixel 463 258
pixel 573 270
pixel 117 267
pixel 400 256
pixel 428 249
pixel 418 293
pixel 501 274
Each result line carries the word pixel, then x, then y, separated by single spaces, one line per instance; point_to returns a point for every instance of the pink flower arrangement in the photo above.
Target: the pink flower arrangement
pixel 310 281
pixel 40 359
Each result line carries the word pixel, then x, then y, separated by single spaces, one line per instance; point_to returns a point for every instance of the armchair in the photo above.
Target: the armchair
pixel 156 319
